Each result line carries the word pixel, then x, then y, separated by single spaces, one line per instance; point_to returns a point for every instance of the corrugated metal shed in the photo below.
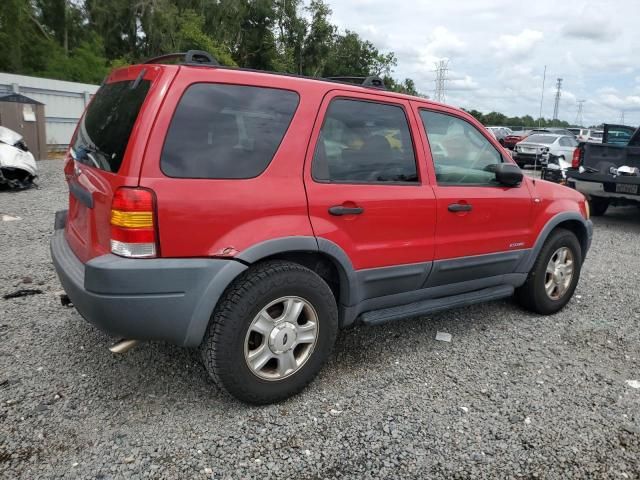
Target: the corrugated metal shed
pixel 64 102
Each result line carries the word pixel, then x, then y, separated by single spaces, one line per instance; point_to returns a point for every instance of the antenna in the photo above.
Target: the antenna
pixel 441 78
pixel 544 78
pixel 579 120
pixel 557 103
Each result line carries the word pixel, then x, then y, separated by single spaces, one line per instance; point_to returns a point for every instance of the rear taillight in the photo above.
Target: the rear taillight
pixel 133 225
pixel 575 160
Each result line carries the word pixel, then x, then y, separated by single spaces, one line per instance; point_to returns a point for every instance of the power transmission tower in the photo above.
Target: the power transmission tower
pixel 579 120
pixel 557 103
pixel 622 117
pixel 441 78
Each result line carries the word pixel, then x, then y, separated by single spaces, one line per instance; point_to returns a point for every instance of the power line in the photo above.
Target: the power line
pixel 441 78
pixel 579 119
pixel 557 102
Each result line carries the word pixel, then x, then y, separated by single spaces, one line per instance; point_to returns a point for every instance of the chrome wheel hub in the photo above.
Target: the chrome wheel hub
pixel 281 338
pixel 559 273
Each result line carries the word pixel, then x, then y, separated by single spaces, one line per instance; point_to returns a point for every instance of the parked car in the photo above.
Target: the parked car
pixel 511 140
pixel 500 133
pixel 590 135
pixel 539 147
pixel 608 173
pixel 556 131
pixel 253 214
pixel 574 131
pixel 617 134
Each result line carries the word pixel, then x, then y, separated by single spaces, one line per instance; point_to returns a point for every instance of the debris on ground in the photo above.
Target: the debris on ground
pixel 65 301
pixel 443 337
pixel 9 218
pixel 25 292
pixel 633 383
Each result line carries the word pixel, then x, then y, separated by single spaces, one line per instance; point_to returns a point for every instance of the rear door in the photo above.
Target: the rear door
pixel 106 152
pixel 483 227
pixel 367 190
pixel 566 147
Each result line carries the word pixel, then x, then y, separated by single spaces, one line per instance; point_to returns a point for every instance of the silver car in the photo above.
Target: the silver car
pixel 536 149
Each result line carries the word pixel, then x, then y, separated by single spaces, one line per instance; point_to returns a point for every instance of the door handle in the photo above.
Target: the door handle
pixel 460 207
pixel 339 210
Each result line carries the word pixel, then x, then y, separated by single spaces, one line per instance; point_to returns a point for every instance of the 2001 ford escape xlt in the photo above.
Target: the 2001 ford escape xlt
pixel 254 214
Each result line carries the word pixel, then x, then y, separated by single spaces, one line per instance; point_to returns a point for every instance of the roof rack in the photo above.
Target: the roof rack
pixel 370 81
pixel 191 57
pixel 202 58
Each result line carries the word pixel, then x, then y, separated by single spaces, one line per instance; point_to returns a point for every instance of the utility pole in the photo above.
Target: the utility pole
pixel 579 120
pixel 544 77
pixel 441 78
pixel 557 103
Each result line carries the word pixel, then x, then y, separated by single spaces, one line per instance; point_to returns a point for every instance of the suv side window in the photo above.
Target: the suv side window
pixel 461 154
pixel 226 131
pixel 364 142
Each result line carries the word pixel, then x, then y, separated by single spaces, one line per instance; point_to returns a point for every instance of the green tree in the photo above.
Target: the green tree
pixel 319 39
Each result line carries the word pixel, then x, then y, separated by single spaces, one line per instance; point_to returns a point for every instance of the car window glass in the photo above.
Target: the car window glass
pixel 364 142
pixel 564 142
pixel 226 131
pixel 105 128
pixel 461 154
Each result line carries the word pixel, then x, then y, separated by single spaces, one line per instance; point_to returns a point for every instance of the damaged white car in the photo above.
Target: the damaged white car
pixel 18 168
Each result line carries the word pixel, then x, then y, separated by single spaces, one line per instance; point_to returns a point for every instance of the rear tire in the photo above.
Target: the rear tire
pixel 270 292
pixel 540 293
pixel 598 206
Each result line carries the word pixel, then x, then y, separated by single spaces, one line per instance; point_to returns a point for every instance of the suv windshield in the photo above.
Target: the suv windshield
pixel 104 130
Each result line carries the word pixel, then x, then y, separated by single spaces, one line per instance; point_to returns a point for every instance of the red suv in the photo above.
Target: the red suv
pixel 254 214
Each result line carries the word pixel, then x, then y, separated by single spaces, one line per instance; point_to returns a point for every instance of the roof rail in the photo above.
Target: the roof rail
pixel 191 57
pixel 372 81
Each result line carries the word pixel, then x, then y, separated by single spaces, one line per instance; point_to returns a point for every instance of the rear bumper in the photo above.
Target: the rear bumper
pixel 530 159
pixel 150 299
pixel 606 189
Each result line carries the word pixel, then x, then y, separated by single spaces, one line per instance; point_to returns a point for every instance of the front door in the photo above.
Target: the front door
pixel 483 227
pixel 367 191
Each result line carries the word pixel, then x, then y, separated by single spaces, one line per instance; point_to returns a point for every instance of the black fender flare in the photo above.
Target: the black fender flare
pixel 527 263
pixel 348 281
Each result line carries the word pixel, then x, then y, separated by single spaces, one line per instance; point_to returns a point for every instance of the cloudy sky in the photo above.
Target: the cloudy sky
pixel 497 50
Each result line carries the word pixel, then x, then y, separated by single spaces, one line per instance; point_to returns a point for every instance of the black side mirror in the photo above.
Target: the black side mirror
pixel 508 174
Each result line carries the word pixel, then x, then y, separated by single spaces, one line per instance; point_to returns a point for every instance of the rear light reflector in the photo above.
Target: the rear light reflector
pixel 575 160
pixel 133 226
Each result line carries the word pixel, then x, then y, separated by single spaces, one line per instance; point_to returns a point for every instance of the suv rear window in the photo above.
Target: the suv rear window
pixel 226 131
pixel 105 129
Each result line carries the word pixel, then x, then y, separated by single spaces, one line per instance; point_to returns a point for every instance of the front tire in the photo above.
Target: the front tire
pixel 554 276
pixel 271 332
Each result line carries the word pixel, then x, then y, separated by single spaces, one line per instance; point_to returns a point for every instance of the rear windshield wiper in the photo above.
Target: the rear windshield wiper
pixel 84 150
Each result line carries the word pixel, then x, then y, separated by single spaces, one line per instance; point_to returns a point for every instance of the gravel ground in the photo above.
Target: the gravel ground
pixel 513 395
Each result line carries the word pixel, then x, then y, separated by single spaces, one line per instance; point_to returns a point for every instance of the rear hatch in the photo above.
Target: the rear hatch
pixel 106 152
